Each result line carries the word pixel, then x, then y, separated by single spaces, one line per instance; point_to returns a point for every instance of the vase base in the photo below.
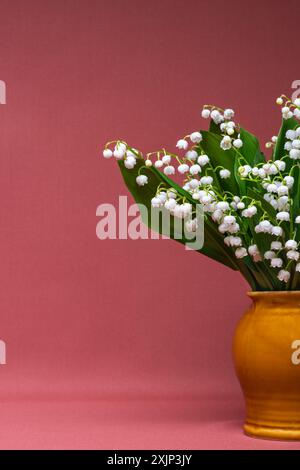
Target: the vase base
pixel 268 432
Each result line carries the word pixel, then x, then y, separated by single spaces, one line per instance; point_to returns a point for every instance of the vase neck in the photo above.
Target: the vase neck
pixel 276 298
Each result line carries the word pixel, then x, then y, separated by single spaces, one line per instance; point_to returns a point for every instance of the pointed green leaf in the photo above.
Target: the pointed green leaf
pixel 214 246
pixel 219 157
pixel 279 150
pixel 214 128
pixel 255 194
pixel 295 194
pixel 250 149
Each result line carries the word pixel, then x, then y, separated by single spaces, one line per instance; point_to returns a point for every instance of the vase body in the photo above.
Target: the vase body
pixel 266 353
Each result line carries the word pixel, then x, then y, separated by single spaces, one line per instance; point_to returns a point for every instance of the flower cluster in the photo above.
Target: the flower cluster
pixel 289 108
pixel 253 201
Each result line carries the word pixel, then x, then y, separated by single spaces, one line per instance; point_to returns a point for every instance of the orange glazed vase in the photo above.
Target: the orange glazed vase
pixel 266 353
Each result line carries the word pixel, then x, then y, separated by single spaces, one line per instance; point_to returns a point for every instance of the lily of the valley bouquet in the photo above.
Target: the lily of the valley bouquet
pixel 251 204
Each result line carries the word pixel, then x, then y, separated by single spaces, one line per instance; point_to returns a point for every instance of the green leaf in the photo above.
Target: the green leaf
pixel 241 183
pixel 250 149
pixel 264 272
pixel 219 157
pixel 214 128
pixel 295 194
pixel 214 246
pixel 279 150
pixel 267 207
pixel 263 242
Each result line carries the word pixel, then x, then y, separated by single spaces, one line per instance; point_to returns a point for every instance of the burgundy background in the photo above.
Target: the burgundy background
pixel 121 344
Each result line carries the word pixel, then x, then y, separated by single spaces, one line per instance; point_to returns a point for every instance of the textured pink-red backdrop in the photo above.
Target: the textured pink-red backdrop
pixel 108 320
